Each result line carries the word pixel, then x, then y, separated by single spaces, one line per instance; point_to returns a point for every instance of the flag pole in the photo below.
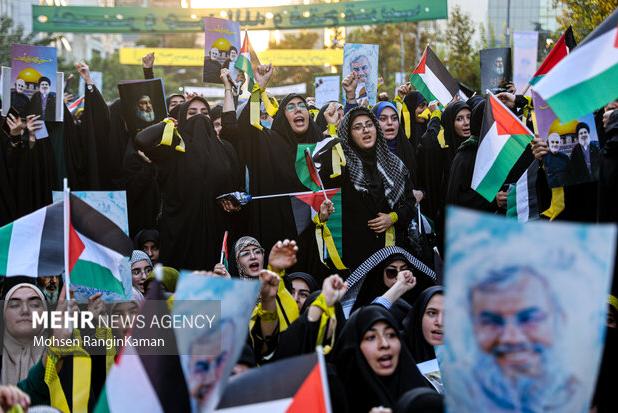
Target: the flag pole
pixel 67 223
pixel 223 247
pixel 280 195
pixel 317 174
pixel 526 89
pixel 323 378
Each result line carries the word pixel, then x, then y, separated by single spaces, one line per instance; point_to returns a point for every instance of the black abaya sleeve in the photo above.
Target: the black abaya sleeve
pixel 459 190
pixel 148 141
pixel 95 124
pixel 405 207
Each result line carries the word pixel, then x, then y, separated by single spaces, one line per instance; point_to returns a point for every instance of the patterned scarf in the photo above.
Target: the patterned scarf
pixel 392 171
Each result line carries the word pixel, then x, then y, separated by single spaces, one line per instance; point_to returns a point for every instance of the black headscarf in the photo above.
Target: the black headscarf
pixel 476 119
pixel 216 112
pixel 412 101
pixel 448 123
pixel 413 326
pixel 365 167
pixel 421 400
pixel 307 278
pixel 364 389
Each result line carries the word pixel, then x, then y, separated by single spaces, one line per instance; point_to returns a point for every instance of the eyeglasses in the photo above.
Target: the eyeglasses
pixel 256 252
pixel 363 68
pixel 138 271
pixel 359 126
pixel 392 272
pixel 291 107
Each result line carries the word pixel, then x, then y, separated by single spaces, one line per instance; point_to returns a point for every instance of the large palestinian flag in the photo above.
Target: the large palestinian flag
pixel 561 49
pixel 432 79
pixel 502 142
pixel 521 201
pixel 247 58
pixel 294 385
pixel 587 78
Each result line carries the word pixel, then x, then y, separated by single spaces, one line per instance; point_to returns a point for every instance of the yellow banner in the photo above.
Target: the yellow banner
pixel 195 57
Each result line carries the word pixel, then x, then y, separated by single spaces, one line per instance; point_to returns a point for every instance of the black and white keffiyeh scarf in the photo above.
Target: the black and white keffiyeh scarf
pixel 392 171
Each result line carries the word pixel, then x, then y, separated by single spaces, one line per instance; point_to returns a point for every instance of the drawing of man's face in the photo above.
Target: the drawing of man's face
pixel 44 87
pixel 214 54
pixel 554 143
pixel 20 85
pixel 361 66
pixel 145 111
pixel 514 323
pixel 499 65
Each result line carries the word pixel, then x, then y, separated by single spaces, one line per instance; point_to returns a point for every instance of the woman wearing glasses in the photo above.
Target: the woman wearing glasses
pixel 376 189
pixel 270 155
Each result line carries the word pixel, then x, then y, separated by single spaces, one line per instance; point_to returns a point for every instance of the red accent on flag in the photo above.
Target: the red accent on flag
pixel 245 44
pixel 310 396
pixel 313 171
pixel 557 53
pixel 315 199
pixel 616 39
pixel 224 247
pixel 506 122
pixel 76 247
pixel 421 65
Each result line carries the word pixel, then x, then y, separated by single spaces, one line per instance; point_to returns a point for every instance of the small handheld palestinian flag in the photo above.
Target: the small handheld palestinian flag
pixel 433 80
pixel 561 49
pixel 246 60
pixel 586 79
pixel 503 140
pixel 313 172
pixel 224 252
pixel 521 200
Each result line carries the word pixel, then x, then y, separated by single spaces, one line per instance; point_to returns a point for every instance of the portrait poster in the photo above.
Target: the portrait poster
pixel 362 59
pixel 525 51
pixel 221 48
pixel 142 102
pixel 97 78
pixel 574 152
pixel 112 204
pixel 208 355
pixel 496 69
pixel 326 90
pixel 521 334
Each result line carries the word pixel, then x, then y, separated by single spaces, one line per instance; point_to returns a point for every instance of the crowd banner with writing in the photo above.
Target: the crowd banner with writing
pixel 186 57
pixel 90 19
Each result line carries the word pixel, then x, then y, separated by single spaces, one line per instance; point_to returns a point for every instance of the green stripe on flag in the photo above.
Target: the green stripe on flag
pixel 585 97
pixel 5 242
pixel 511 202
pixel 102 405
pixel 421 86
pixel 499 170
pixel 93 275
pixel 302 171
pixel 535 80
pixel 335 223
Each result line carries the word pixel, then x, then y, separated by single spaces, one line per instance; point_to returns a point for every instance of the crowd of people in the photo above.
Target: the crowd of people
pixel 383 306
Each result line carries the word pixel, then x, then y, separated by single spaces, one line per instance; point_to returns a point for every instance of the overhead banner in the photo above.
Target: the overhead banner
pixel 195 57
pixel 89 19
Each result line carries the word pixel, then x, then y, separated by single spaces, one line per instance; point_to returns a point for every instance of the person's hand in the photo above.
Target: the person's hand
pixel 11 396
pixel 332 114
pixel 143 156
pixel 96 306
pixel 326 209
pixel 283 255
pixel 67 98
pixel 433 105
pixel 148 60
pixel 221 271
pixel 507 98
pixel 64 307
pixel 84 72
pixel 501 199
pixel 405 280
pixel 539 147
pixel 349 84
pixel 33 124
pixel 404 90
pixel 418 195
pixel 229 206
pixel 269 285
pixel 226 78
pixel 606 116
pixel 381 223
pixel 16 125
pixel 334 288
pixel 263 74
pixel 380 409
pixel 510 87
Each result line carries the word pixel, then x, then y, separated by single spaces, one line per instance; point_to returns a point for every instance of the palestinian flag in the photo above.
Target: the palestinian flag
pixel 150 383
pixel 225 255
pixel 307 167
pixel 563 47
pixel 521 201
pixel 97 249
pixel 247 58
pixel 294 385
pixel 306 205
pixel 432 79
pixel 587 78
pixel 76 104
pixel 33 245
pixel 502 142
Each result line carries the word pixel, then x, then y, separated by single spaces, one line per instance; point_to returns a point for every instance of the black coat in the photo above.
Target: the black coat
pixel 36 106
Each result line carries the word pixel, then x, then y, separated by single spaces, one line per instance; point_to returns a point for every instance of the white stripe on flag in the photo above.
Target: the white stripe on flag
pixel 273 406
pixel 23 256
pixel 436 87
pixel 128 387
pixel 100 254
pixel 488 151
pixel 585 62
pixel 521 192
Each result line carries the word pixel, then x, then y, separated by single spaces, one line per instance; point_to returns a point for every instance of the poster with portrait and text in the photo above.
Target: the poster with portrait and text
pixel 363 60
pixel 221 48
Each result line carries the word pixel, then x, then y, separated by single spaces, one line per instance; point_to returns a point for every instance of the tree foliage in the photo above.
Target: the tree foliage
pixel 584 15
pixel 11 34
pixel 462 57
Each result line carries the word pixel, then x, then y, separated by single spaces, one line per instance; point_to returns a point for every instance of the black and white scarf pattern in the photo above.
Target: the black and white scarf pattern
pixel 392 171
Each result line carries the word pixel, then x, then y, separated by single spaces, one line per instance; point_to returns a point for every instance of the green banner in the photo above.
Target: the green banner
pixel 178 20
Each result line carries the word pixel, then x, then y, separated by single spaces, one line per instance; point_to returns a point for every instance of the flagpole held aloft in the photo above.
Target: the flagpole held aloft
pixel 223 247
pixel 67 223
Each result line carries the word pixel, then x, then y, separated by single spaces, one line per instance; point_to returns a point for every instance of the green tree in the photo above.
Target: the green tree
pixel 462 58
pixel 12 34
pixel 297 74
pixel 584 15
pixel 388 37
